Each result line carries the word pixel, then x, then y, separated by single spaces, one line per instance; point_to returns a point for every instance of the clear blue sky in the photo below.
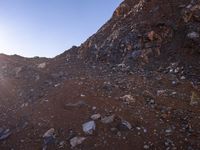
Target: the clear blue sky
pixel 49 27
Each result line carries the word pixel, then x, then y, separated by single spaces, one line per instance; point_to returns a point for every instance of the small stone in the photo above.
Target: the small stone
pixel 151 35
pixel 107 120
pixel 138 128
pixel 145 130
pixel 94 108
pixel 193 35
pixel 195 99
pixel 49 133
pixel 42 65
pixel 124 125
pixel 183 77
pixel 146 146
pixel 76 141
pixel 161 92
pixel 176 70
pixel 4 133
pixel 174 82
pixel 61 144
pixel 56 85
pixel 95 117
pixel 168 131
pixel 49 136
pixel 89 127
pixel 24 105
pixel 127 99
pixel 119 134
pixel 173 93
pixel 82 95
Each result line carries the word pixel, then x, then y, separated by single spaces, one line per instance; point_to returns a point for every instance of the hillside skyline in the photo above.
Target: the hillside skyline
pixel 47 28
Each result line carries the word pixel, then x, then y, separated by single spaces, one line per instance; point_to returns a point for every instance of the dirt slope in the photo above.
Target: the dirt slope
pixel 138 78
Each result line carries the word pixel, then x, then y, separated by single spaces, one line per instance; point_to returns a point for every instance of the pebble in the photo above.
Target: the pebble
pixel 95 117
pixel 124 125
pixel 4 133
pixel 49 136
pixel 195 99
pixel 146 147
pixel 42 65
pixel 127 99
pixel 89 127
pixel 193 35
pixel 61 144
pixel 107 120
pixel 183 77
pixel 76 141
pixel 94 108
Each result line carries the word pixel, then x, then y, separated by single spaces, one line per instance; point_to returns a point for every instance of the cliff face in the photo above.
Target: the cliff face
pixel 145 29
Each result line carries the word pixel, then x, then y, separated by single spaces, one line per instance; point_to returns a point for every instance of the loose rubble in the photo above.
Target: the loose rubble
pixel 133 84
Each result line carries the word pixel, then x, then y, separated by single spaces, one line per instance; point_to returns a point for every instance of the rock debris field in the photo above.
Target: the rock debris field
pixel 135 84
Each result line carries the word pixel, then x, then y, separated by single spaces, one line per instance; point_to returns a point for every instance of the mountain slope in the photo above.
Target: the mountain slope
pixel 138 78
pixel 153 26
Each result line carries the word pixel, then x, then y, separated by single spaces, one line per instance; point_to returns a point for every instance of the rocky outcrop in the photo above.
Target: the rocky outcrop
pixel 148 27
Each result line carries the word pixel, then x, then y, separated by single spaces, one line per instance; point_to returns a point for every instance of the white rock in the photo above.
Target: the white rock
pixel 61 144
pixel 49 133
pixel 183 77
pixel 127 124
pixel 95 116
pixel 82 95
pixel 76 141
pixel 24 105
pixel 168 130
pixel 42 65
pixel 89 127
pixel 193 35
pixel 171 70
pixel 176 70
pixel 121 65
pixel 146 146
pixel 161 92
pixel 173 93
pixel 56 85
pixel 94 108
pixel 174 82
pixel 128 99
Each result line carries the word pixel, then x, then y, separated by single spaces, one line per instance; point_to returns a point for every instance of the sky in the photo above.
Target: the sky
pixel 47 28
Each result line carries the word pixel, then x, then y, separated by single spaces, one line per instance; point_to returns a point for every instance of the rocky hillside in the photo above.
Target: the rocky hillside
pixel 145 29
pixel 135 84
